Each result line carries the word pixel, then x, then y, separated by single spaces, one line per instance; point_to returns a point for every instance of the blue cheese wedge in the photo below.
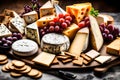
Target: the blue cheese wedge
pixel 18 24
pixel 30 17
pixel 44 58
pixel 54 43
pixel 95 36
pixel 47 9
pixel 4 31
pixel 24 47
pixel 32 32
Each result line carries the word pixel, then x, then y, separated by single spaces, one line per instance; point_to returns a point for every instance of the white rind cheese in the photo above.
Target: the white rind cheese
pixel 30 17
pixel 55 43
pixel 95 36
pixel 32 32
pixel 79 43
pixel 18 24
pixel 4 31
pixel 24 47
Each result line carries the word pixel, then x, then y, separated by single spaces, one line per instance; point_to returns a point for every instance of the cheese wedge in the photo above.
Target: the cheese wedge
pixel 47 9
pixel 78 43
pixel 4 31
pixel 43 21
pixel 30 17
pixel 95 36
pixel 71 31
pixel 114 47
pixel 32 32
pixel 79 11
pixel 103 18
pixel 44 58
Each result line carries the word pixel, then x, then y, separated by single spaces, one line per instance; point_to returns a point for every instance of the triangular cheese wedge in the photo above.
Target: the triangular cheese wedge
pixel 79 11
pixel 46 9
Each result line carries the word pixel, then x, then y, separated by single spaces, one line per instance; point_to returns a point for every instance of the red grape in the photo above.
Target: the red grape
pixel 41 30
pixel 64 25
pixel 47 31
pixel 86 19
pixel 61 20
pixel 68 18
pixel 4 40
pixel 87 23
pixel 55 19
pixel 104 35
pixel 9 42
pixel 14 34
pixel 43 33
pixel 5 45
pixel 51 23
pixel 1 42
pixel 9 38
pixel 110 37
pixel 15 38
pixel 68 22
pixel 61 15
pixel 102 25
pixel 19 36
pixel 67 14
pixel 51 28
pixel 106 31
pixel 57 28
pixel 110 27
pixel 116 32
pixel 45 28
pixel 81 24
pixel 101 29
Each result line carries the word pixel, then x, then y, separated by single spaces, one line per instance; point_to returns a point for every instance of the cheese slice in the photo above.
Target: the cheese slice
pixel 47 9
pixel 71 31
pixel 30 17
pixel 43 21
pixel 79 11
pixel 32 32
pixel 4 31
pixel 78 43
pixel 114 47
pixel 95 36
pixel 18 24
pixel 44 58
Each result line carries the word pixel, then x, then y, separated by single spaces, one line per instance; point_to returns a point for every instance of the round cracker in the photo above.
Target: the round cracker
pixel 11 67
pixel 38 76
pixel 15 74
pixel 27 70
pixel 4 62
pixel 18 63
pixel 33 72
pixel 7 66
pixel 3 57
pixel 21 69
pixel 4 69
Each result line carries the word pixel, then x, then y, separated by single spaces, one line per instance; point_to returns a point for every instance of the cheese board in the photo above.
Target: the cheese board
pixel 73 36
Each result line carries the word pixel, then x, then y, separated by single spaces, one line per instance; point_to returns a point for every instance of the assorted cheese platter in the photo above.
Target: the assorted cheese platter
pixel 52 38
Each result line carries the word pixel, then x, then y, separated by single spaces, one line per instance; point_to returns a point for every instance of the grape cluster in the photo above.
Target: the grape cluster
pixel 84 23
pixel 58 24
pixel 35 6
pixel 7 41
pixel 109 32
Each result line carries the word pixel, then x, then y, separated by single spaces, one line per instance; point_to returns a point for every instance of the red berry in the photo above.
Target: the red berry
pixel 43 33
pixel 51 23
pixel 106 31
pixel 51 28
pixel 81 24
pixel 110 27
pixel 87 23
pixel 57 28
pixel 61 15
pixel 86 19
pixel 55 19
pixel 102 25
pixel 64 25
pixel 110 37
pixel 67 14
pixel 61 20
pixel 68 18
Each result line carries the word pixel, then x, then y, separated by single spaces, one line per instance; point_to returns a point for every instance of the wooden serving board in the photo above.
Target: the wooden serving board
pixel 70 65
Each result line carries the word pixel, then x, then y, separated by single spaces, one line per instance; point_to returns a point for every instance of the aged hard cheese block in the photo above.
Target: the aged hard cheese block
pixel 95 34
pixel 43 21
pixel 78 43
pixel 4 31
pixel 18 23
pixel 47 9
pixel 114 47
pixel 71 31
pixel 79 11
pixel 54 43
pixel 24 47
pixel 32 32
pixel 30 17
pixel 44 58
pixel 103 18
